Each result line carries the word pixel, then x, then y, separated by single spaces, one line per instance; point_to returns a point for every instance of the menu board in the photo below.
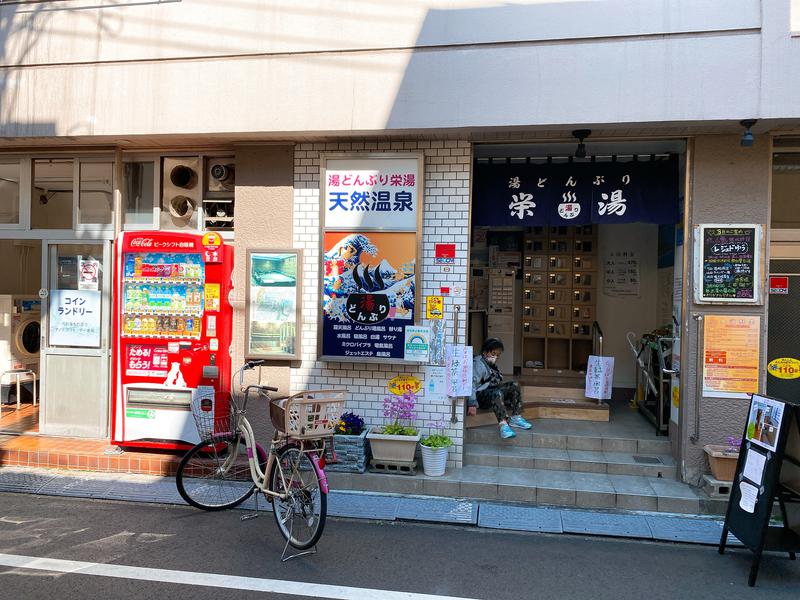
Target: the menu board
pixel 727 263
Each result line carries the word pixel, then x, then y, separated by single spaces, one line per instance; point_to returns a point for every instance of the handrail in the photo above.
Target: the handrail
pixel 597 339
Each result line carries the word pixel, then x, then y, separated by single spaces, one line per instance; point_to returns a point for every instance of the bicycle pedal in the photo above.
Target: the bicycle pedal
pixel 249 516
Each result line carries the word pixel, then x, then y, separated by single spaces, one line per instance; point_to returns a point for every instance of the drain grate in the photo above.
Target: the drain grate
pixel 647 460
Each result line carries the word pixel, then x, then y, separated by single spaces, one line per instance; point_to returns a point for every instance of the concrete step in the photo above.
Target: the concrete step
pixel 549 408
pixel 537 486
pixel 582 461
pixel 593 443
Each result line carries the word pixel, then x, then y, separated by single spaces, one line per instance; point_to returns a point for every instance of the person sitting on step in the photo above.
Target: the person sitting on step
pixel 490 391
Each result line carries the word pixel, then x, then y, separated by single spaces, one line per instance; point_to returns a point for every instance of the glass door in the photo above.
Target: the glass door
pixel 75 353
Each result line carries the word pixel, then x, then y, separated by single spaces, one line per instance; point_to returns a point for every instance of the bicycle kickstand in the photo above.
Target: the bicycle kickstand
pixel 252 515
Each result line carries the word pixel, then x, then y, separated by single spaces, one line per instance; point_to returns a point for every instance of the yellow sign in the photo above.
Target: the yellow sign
pixel 784 368
pixel 212 297
pixel 401 384
pixel 211 239
pixel 731 355
pixel 434 307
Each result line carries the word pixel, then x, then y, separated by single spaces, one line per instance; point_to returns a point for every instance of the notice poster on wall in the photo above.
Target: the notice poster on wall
pixel 731 345
pixel 417 343
pixel 621 274
pixel 727 267
pixel 368 294
pixel 74 318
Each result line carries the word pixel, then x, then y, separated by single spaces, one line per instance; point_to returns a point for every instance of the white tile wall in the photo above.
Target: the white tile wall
pixel 446 219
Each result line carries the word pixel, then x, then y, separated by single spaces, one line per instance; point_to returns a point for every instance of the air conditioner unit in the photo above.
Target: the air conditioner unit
pixel 181 192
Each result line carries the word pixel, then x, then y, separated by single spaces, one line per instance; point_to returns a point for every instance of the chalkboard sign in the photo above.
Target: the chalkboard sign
pixel 765 473
pixel 727 265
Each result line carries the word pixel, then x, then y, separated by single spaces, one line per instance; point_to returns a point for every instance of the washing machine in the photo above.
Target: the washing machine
pixel 20 336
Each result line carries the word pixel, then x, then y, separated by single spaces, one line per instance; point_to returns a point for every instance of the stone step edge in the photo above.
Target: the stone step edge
pixel 522 434
pixel 500 448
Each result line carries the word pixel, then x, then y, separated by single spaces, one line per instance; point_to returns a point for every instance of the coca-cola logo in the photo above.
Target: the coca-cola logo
pixel 141 242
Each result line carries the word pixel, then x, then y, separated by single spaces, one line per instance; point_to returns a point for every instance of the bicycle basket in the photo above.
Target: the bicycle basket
pixel 215 421
pixel 307 415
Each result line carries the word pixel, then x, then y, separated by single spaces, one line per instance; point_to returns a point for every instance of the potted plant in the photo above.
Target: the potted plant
pixel 434 450
pixel 350 445
pixel 722 458
pixel 396 442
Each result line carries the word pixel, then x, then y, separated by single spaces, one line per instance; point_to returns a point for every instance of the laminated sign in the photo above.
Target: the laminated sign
pixel 599 377
pixel 459 370
pixel 417 343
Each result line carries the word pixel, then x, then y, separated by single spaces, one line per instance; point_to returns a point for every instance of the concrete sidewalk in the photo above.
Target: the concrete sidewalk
pixel 661 526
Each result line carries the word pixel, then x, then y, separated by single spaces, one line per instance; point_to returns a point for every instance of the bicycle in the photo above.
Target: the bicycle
pixel 228 465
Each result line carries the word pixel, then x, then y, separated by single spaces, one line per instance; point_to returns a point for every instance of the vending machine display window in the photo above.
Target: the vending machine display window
pixel 162 295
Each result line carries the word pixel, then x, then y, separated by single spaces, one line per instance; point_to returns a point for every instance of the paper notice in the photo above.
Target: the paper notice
pixel 749 495
pixel 754 466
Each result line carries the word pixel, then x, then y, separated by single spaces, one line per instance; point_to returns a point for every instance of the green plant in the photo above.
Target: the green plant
pixel 400 412
pixel 438 439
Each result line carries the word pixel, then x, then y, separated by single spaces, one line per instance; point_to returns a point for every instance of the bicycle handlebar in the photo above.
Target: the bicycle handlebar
pixel 251 364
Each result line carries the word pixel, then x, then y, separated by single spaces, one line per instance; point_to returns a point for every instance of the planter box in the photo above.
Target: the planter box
pixel 352 453
pixel 392 448
pixel 723 463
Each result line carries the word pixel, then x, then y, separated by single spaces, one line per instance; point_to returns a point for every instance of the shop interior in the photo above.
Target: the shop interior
pixel 556 294
pixel 20 327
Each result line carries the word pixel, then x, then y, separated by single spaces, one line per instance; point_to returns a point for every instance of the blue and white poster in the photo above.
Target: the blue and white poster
pixel 417 343
pixel 74 318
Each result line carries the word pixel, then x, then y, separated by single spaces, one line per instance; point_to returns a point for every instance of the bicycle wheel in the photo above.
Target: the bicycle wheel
pixel 300 513
pixel 216 475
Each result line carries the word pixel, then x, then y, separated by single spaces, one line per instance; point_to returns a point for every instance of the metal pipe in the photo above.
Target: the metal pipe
pixel 454 400
pixel 698 388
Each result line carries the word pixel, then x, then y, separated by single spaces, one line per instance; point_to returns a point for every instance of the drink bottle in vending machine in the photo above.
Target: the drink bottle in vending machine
pixel 172 333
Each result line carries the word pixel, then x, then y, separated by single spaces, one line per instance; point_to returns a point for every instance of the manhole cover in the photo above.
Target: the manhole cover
pixel 647 460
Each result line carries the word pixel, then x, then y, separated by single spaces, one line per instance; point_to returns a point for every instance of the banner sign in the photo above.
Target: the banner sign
pixel 368 294
pixel 371 193
pixel 576 193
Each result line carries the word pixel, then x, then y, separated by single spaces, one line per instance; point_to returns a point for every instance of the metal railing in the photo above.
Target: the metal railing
pixel 597 339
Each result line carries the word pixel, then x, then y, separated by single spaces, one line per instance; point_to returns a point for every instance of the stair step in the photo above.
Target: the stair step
pixel 550 408
pixel 538 486
pixel 535 392
pixel 585 461
pixel 595 443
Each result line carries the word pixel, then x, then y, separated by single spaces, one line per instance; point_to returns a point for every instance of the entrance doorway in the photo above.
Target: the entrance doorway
pixel 558 278
pixel 75 355
pixel 20 331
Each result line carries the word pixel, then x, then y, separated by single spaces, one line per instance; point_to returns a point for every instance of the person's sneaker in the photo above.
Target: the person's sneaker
pixel 506 432
pixel 519 421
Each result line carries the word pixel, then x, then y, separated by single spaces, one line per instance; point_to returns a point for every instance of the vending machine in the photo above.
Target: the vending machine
pixel 172 334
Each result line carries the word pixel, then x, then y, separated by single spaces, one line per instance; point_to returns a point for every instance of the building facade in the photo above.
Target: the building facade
pixel 88 87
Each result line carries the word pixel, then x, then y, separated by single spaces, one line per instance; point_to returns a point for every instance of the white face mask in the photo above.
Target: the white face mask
pixel 491 359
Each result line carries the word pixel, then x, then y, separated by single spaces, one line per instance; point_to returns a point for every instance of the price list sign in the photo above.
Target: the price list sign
pixel 727 263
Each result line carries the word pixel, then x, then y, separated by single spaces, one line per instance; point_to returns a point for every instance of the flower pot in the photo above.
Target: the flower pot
pixel 352 453
pixel 434 460
pixel 723 463
pixel 392 448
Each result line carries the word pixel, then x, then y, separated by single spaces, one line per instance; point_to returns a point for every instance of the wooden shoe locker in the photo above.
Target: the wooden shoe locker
pixel 559 283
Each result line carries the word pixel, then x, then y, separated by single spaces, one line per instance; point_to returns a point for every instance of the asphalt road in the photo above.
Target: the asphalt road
pixel 133 543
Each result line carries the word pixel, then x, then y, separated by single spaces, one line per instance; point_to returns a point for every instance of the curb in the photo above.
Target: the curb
pixel 391 507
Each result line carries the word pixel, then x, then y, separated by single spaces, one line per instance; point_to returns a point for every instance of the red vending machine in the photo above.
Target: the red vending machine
pixel 172 334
